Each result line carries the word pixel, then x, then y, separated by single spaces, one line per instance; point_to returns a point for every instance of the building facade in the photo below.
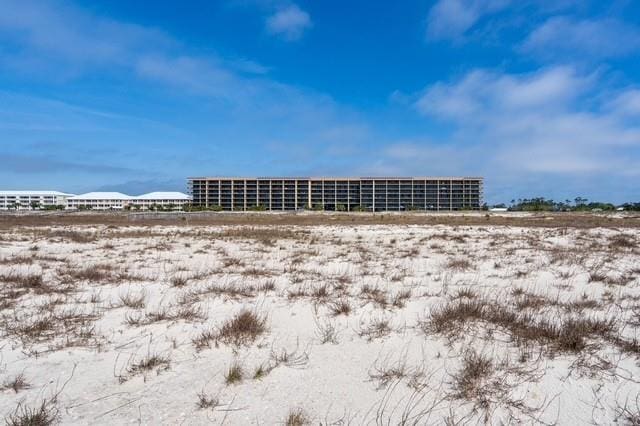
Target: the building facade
pixel 99 201
pixel 119 201
pixel 341 194
pixel 32 200
pixel 163 200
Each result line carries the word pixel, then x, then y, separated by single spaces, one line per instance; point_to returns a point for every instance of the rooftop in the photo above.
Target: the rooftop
pixel 336 177
pixel 35 193
pixel 163 196
pixel 102 196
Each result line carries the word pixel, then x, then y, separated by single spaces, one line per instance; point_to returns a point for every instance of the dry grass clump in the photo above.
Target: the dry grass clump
pixel 205 401
pixel 237 290
pixel 621 242
pixel 326 332
pixel 204 339
pixel 133 300
pixel 566 334
pixel 384 373
pixel 243 328
pixel 474 371
pixel 17 260
pixel 148 363
pixel 629 412
pixel 44 415
pixel 178 281
pixel 375 329
pixel 256 272
pixel 597 276
pixel 340 307
pixel 93 273
pixel 234 374
pixel 459 264
pixel 399 299
pixel 74 236
pixel 184 312
pixel 320 293
pixel 266 236
pixel 297 417
pixel 465 293
pixel 27 281
pixel 17 383
pixel 375 295
pixel 65 327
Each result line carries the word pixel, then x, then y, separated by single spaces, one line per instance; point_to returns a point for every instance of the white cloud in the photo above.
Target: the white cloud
pixel 480 91
pixel 550 121
pixel 69 35
pixel 627 103
pixel 289 22
pixel 451 19
pixel 596 38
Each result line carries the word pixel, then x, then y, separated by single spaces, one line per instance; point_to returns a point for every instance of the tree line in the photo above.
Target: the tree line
pixel 539 204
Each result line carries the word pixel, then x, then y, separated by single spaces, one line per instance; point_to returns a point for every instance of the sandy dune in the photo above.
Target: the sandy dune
pixel 329 324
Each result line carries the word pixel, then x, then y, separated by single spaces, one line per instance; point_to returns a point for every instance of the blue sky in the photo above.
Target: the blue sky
pixel 542 98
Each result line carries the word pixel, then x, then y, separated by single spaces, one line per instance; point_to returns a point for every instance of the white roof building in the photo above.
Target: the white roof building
pixel 34 193
pixel 99 201
pixel 163 196
pixel 29 200
pixel 164 200
pixel 119 201
pixel 102 196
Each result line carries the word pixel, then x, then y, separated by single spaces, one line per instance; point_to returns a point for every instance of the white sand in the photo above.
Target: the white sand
pixel 333 382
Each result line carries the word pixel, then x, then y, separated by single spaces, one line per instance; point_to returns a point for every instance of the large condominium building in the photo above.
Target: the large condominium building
pixel 31 200
pixel 342 194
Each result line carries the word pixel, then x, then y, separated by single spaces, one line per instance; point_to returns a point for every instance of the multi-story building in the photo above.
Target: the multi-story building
pixel 119 201
pixel 32 200
pixel 342 194
pixel 99 201
pixel 163 200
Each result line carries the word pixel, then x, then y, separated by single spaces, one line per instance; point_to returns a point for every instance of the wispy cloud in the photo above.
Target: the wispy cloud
pixel 550 121
pixel 289 22
pixel 37 164
pixel 451 19
pixel 59 33
pixel 562 37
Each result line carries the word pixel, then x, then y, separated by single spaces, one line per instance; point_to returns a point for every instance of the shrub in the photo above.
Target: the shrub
pixel 243 328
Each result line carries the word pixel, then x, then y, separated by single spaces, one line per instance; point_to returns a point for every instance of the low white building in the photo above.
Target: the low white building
pixel 119 201
pixel 162 200
pixel 33 200
pixel 99 201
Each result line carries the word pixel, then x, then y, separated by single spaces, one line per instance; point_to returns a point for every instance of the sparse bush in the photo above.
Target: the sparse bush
pixel 459 264
pixel 74 236
pixel 204 339
pixel 178 281
pixel 621 242
pixel 44 415
pixel 374 329
pixel 243 328
pixel 326 332
pixel 400 298
pixel 28 281
pixel 340 307
pixel 17 383
pixel 150 362
pixel 206 401
pixel 133 300
pixel 468 380
pixel 297 417
pixel 234 374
